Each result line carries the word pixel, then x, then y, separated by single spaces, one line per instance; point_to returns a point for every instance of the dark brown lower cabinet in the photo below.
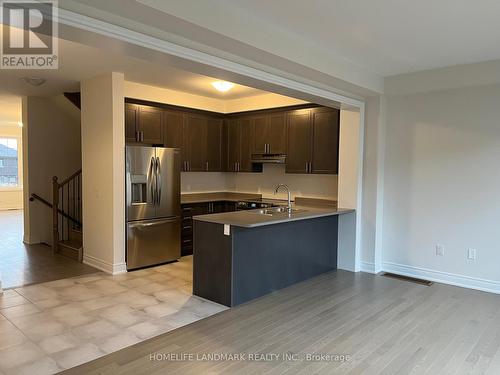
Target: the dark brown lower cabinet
pixel 193 209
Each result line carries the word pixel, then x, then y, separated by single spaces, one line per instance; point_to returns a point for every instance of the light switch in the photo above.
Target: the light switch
pixel 227 230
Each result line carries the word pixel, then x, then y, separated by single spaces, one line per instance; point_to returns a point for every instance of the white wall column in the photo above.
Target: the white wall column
pixel 103 180
pixel 349 189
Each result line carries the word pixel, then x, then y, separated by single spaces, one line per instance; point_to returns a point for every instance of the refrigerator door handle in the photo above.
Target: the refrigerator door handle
pixel 152 223
pixel 152 173
pixel 158 181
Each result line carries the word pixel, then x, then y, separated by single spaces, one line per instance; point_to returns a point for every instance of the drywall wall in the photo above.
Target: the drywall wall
pixel 11 198
pixel 103 190
pixel 441 185
pixel 173 97
pixel 198 182
pixel 349 151
pixel 373 168
pixel 251 103
pixel 52 147
pixel 309 185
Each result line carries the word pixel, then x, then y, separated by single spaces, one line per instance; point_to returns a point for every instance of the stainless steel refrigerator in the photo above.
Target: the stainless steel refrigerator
pixel 153 205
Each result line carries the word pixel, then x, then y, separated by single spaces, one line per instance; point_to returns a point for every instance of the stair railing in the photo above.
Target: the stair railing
pixel 66 207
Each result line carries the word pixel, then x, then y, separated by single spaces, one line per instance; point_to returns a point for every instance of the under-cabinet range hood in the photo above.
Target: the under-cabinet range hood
pixel 269 158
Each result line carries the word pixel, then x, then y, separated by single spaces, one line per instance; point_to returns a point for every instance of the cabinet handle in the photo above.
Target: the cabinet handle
pixel 188 167
pixel 307 167
pixel 310 167
pixel 206 166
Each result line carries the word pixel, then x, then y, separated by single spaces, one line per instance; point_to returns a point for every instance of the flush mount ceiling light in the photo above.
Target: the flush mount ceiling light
pixel 222 86
pixel 34 81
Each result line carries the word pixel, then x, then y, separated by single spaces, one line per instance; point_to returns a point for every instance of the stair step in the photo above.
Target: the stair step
pixel 71 249
pixel 75 235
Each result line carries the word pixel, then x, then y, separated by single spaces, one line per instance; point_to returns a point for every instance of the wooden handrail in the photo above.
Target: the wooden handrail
pixel 34 197
pixel 64 182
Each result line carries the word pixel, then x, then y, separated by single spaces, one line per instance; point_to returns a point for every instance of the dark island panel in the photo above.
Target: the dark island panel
pixel 272 257
pixel 212 258
pixel 252 262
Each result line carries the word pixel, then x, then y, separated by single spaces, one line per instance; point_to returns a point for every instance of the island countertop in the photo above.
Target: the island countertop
pixel 252 218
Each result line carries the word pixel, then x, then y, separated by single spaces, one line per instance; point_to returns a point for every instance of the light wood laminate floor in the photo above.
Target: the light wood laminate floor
pixel 22 264
pixel 385 326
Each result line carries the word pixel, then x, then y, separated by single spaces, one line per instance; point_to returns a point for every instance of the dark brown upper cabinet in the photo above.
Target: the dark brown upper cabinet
pixel 195 143
pixel 202 150
pixel 214 145
pixel 325 141
pixel 233 145
pixel 173 129
pixel 269 134
pixel 143 124
pixel 246 142
pixel 131 114
pixel 240 134
pixel 313 141
pixel 260 129
pixel 298 141
pixel 215 142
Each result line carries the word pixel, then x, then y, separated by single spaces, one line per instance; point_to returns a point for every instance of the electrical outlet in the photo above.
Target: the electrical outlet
pixel 471 254
pixel 440 250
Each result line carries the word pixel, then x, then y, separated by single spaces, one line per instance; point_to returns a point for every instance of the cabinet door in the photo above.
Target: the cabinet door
pixel 173 129
pixel 131 111
pixel 214 145
pixel 325 136
pixel 260 134
pixel 195 142
pixel 150 124
pixel 276 133
pixel 233 145
pixel 298 141
pixel 246 142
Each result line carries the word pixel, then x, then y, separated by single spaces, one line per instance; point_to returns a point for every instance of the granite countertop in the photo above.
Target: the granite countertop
pixel 251 218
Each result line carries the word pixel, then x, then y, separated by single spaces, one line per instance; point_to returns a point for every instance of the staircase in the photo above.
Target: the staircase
pixel 66 206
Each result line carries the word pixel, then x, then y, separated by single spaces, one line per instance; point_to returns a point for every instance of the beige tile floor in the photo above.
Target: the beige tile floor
pixel 48 327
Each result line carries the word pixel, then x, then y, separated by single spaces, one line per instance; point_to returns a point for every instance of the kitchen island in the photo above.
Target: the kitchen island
pixel 239 256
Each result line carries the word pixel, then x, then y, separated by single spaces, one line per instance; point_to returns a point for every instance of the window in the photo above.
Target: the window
pixel 9 163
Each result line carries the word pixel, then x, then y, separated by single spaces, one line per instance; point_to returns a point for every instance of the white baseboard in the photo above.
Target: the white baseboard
pixel 368 267
pixel 107 267
pixel 443 277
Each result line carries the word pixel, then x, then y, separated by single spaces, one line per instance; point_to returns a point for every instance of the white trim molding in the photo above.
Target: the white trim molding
pixel 368 267
pixel 443 277
pixel 113 269
pixel 82 22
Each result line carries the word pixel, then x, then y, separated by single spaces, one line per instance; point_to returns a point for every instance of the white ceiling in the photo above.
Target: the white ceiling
pixel 390 36
pixel 386 37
